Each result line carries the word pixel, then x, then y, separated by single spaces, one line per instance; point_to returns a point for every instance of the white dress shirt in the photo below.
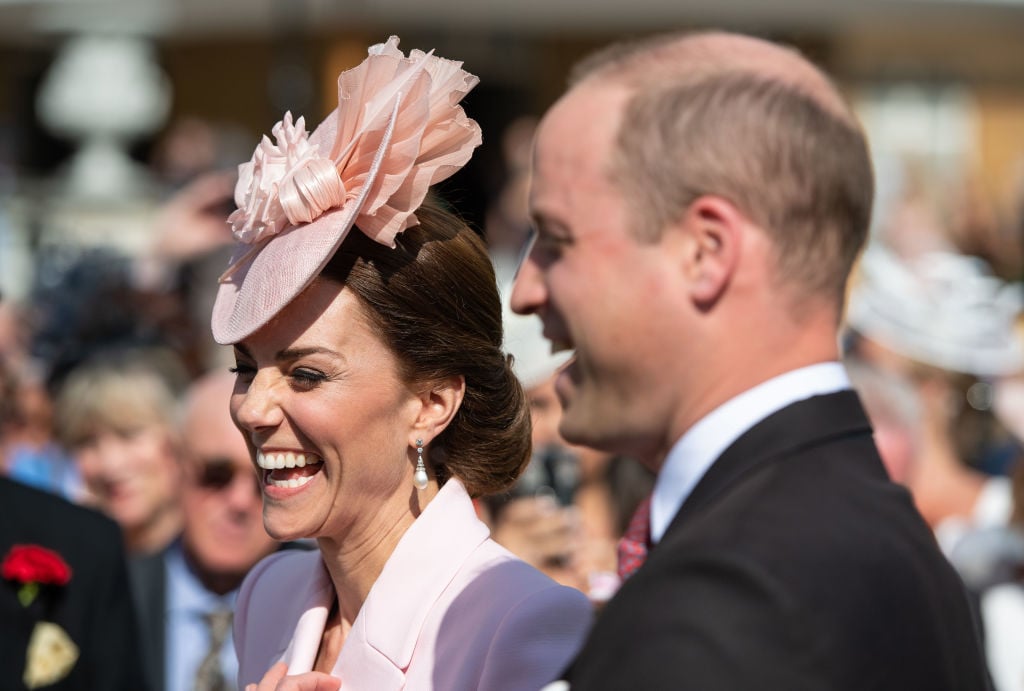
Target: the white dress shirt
pixel 188 636
pixel 698 448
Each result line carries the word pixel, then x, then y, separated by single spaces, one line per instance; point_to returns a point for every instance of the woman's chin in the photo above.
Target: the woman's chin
pixel 286 533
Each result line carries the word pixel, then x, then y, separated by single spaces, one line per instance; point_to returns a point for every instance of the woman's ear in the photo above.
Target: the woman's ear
pixel 439 403
pixel 710 234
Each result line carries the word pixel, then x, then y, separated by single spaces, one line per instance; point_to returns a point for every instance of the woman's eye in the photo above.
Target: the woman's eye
pixel 307 378
pixel 243 371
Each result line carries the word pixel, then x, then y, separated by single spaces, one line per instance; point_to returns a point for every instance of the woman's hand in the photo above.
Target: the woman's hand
pixel 276 680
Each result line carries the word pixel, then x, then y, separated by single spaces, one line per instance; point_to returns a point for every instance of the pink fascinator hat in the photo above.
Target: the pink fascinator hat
pixel 398 129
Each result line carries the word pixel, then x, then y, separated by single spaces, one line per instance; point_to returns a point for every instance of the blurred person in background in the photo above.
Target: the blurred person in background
pixel 565 514
pixel 1001 552
pixel 28 450
pixel 66 616
pixel 993 560
pixel 186 593
pixel 935 353
pixel 699 202
pixel 507 219
pixel 29 453
pixel 77 630
pixel 943 325
pixel 191 246
pixel 116 414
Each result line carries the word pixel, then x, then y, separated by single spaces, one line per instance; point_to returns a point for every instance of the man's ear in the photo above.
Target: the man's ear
pixel 711 232
pixel 439 403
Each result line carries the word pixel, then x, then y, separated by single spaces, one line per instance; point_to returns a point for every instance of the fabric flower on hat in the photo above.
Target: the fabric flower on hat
pixel 397 130
pixel 51 653
pixel 286 183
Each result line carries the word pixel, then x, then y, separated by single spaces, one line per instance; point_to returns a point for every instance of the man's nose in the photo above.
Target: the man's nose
pixel 528 289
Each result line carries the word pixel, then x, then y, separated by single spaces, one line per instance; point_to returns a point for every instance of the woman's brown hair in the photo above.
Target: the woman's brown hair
pixel 435 303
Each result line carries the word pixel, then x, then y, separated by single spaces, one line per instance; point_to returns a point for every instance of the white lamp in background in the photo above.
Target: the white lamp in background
pixel 104 91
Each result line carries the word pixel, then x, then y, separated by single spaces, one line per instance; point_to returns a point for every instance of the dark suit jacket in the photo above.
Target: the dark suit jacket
pixel 148 575
pixel 795 564
pixel 94 608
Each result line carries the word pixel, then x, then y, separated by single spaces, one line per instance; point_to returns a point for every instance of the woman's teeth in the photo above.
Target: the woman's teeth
pixel 293 482
pixel 288 469
pixel 273 461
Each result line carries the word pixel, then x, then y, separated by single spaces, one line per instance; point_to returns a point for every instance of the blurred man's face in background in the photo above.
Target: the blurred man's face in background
pixel 224 531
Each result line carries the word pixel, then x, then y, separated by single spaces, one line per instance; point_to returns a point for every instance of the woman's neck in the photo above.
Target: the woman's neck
pixel 356 560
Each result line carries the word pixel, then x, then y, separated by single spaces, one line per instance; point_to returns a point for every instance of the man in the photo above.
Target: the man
pixel 66 615
pixel 96 645
pixel 699 202
pixel 186 593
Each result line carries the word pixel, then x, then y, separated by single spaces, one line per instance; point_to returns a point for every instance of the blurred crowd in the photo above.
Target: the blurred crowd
pixel 114 396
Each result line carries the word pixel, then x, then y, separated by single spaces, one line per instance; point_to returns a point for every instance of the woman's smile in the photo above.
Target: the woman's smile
pixel 288 469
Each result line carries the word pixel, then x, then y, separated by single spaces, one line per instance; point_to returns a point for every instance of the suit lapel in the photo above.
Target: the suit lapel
pixel 800 425
pixel 148 575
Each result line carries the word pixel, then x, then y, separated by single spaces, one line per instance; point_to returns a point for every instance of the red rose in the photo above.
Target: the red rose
pixel 34 564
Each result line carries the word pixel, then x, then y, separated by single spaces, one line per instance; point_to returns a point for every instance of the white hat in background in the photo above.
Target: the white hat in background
pixel 533 361
pixel 940 309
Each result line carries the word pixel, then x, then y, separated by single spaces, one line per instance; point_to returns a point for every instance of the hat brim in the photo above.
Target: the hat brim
pixel 259 288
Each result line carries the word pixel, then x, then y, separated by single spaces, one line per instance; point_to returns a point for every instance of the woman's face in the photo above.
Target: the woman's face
pixel 133 474
pixel 318 393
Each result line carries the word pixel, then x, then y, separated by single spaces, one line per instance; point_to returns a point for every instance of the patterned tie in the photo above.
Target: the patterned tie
pixel 634 543
pixel 209 676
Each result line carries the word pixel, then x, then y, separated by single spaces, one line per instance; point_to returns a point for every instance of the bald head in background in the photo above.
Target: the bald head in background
pixel 224 535
pixel 699 201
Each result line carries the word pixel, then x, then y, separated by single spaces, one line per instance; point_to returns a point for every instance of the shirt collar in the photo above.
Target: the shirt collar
pixel 705 441
pixel 185 593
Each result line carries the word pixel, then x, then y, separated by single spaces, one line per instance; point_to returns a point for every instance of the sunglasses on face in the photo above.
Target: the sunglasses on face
pixel 217 474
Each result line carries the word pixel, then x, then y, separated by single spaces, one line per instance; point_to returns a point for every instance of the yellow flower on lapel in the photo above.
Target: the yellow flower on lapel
pixel 51 655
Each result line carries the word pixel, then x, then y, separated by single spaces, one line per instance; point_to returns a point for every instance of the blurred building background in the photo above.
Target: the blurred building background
pixel 109 108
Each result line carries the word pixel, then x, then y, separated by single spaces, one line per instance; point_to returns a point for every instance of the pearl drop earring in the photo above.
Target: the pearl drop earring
pixel 419 478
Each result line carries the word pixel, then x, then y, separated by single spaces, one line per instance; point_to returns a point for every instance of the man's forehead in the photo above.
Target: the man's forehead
pixel 579 130
pixel 592 107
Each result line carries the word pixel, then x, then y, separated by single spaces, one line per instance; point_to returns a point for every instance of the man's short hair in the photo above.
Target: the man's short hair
pixel 786 151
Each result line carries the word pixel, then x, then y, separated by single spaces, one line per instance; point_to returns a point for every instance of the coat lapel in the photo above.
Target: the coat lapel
pixel 383 638
pixel 300 646
pixel 800 425
pixel 381 642
pixel 148 574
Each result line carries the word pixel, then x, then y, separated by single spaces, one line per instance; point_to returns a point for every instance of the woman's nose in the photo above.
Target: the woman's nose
pixel 256 406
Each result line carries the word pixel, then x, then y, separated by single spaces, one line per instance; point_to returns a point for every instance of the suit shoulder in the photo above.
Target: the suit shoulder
pixel 34 515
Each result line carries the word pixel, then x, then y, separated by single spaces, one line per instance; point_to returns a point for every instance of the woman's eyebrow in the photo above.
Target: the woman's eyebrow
pixel 296 353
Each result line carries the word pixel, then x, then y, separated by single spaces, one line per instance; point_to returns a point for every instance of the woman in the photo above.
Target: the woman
pixel 376 402
pixel 116 414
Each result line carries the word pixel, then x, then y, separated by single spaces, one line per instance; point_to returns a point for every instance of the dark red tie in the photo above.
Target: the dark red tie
pixel 634 543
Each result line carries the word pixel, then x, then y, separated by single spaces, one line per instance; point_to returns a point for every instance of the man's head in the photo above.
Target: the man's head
pixel 224 535
pixel 696 198
pixel 753 122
